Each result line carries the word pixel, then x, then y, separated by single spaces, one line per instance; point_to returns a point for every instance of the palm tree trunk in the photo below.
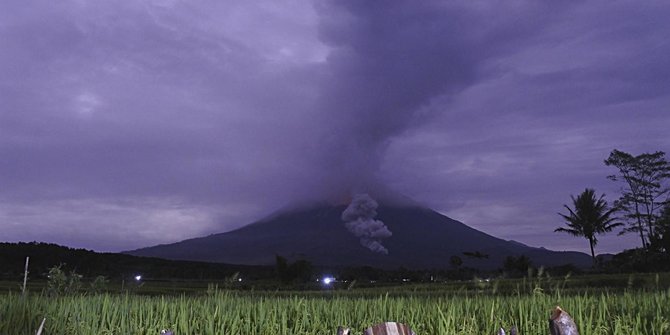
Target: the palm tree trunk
pixel 593 255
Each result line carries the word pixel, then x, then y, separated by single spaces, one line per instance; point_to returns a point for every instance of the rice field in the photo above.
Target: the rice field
pixel 265 313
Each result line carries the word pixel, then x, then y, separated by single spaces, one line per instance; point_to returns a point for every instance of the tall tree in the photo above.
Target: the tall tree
pixel 661 239
pixel 590 217
pixel 644 191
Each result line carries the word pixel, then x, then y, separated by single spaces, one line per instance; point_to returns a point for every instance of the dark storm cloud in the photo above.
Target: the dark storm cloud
pixel 390 59
pixel 149 107
pixel 133 99
pixel 124 124
pixel 510 149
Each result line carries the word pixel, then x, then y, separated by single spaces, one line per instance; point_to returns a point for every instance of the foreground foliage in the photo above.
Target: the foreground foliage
pixel 256 313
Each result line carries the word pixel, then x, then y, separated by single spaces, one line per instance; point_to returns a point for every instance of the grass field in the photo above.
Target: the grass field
pixel 476 308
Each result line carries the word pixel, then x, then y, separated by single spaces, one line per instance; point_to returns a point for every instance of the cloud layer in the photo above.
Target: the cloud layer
pixel 125 124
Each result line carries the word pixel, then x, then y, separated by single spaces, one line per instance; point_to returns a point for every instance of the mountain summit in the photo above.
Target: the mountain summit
pixel 413 237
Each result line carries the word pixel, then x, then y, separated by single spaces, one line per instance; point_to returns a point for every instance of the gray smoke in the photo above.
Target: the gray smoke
pixel 387 60
pixel 359 218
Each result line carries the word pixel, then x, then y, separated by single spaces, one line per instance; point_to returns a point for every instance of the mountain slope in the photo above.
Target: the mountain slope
pixel 421 238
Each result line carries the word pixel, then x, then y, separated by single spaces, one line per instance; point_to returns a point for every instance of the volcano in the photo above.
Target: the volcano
pixel 421 239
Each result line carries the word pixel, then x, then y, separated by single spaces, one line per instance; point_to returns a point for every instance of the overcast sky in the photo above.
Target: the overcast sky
pixel 124 124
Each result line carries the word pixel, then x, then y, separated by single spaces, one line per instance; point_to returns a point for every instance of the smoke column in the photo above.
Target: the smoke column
pixel 392 65
pixel 359 218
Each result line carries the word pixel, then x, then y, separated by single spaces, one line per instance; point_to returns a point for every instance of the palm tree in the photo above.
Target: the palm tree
pixel 590 216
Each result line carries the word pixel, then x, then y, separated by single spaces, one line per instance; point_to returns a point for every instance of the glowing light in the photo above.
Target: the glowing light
pixel 138 277
pixel 328 280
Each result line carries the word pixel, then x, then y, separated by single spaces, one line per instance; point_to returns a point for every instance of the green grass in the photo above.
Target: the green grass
pixel 255 313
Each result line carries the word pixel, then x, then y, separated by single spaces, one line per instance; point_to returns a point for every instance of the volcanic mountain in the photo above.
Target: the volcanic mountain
pixel 421 239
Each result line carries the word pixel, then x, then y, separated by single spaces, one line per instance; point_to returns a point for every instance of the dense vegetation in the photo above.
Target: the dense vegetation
pixel 643 208
pixel 117 267
pixel 74 304
pixel 428 309
pixel 44 256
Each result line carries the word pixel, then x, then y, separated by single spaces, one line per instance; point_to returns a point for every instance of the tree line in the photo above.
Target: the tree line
pixel 643 207
pixel 45 256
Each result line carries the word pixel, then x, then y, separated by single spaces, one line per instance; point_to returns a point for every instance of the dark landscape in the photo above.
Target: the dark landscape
pixel 422 240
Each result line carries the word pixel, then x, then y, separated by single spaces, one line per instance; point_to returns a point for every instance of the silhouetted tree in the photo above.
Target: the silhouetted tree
pixel 517 265
pixel 660 241
pixel 590 217
pixel 282 269
pixel 300 270
pixel 44 256
pixel 645 188
pixel 455 261
pixel 475 254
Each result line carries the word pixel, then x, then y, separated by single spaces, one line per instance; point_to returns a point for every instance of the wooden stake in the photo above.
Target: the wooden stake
pixel 25 277
pixel 39 330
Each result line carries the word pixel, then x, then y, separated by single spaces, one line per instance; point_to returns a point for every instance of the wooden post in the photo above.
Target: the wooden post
pixel 39 330
pixel 389 328
pixel 561 323
pixel 25 277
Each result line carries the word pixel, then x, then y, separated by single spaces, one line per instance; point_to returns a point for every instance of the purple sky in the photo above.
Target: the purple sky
pixel 125 124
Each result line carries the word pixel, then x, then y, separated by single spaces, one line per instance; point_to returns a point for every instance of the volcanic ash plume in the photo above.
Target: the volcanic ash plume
pixel 359 218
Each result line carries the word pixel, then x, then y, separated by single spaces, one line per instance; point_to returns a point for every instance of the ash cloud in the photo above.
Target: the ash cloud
pixel 359 218
pixel 388 61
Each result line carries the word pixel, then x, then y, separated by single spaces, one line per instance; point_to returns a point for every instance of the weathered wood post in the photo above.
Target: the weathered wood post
pixel 386 328
pixel 389 328
pixel 561 323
